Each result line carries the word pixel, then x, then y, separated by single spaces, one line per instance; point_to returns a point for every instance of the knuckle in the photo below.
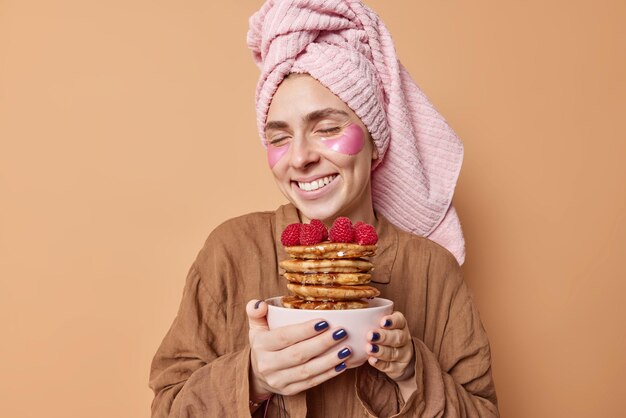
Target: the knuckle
pixel 274 381
pixel 271 381
pixel 262 368
pixel 400 341
pixel 395 353
pixel 299 357
pixel 282 339
pixel 305 372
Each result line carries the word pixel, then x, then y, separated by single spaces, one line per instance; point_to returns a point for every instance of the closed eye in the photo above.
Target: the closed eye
pixel 279 141
pixel 333 130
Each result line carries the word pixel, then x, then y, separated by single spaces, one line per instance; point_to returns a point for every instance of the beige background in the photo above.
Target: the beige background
pixel 127 133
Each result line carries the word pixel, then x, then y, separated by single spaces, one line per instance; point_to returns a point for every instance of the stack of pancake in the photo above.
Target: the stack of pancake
pixel 328 275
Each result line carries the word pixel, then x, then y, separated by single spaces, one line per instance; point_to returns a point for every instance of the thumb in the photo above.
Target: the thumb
pixel 257 312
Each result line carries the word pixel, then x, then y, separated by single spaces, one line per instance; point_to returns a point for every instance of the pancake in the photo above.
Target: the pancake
pixel 334 293
pixel 328 278
pixel 331 250
pixel 356 265
pixel 295 302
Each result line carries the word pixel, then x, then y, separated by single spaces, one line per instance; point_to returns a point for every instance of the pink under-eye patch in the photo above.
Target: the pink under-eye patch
pixel 275 153
pixel 350 142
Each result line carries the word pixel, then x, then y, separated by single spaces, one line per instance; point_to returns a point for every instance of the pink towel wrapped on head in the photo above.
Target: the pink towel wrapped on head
pixel 346 47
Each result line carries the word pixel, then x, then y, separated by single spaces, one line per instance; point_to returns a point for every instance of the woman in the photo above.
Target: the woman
pixel 348 133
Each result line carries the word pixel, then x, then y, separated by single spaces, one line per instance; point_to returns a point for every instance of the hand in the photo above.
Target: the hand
pixel 294 358
pixel 391 348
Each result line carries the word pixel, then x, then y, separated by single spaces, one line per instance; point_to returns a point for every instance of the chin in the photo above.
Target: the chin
pixel 321 211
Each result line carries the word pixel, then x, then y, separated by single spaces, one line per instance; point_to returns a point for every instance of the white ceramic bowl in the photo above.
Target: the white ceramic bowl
pixel 356 322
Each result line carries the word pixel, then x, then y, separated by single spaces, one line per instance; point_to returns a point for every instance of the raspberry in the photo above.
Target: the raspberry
pixel 342 230
pixel 310 234
pixel 365 234
pixel 291 235
pixel 320 225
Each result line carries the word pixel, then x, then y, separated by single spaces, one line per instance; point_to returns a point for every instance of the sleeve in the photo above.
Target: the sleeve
pixel 457 381
pixel 379 395
pixel 191 366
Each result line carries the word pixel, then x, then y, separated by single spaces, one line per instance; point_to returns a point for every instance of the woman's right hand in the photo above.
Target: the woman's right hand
pixel 289 360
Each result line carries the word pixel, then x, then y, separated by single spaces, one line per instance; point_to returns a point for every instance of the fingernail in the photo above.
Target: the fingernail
pixel 340 367
pixel 321 325
pixel 344 353
pixel 387 323
pixel 374 348
pixel 375 336
pixel 339 334
pixel 256 305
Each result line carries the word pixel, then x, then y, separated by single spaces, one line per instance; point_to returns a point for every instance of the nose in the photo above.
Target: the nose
pixel 303 153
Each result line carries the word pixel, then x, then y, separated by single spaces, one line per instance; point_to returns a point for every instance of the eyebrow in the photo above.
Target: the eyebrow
pixel 324 113
pixel 309 117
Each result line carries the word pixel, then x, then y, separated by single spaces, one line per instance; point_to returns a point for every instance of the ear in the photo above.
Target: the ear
pixel 375 153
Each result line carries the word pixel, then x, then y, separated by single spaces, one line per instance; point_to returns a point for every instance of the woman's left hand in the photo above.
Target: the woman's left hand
pixel 391 347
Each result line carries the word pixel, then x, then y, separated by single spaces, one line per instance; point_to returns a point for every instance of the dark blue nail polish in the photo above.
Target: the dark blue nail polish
pixel 340 367
pixel 387 323
pixel 256 305
pixel 339 334
pixel 375 348
pixel 344 353
pixel 375 336
pixel 321 325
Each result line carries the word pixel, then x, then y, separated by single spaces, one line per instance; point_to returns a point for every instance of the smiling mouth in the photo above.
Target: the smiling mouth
pixel 316 184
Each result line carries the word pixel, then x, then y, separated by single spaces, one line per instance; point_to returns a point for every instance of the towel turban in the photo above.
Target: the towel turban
pixel 346 47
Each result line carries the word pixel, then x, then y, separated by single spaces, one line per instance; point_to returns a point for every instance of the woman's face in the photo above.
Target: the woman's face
pixel 319 152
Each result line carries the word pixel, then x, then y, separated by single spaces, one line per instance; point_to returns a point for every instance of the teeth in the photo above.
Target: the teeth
pixel 316 184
